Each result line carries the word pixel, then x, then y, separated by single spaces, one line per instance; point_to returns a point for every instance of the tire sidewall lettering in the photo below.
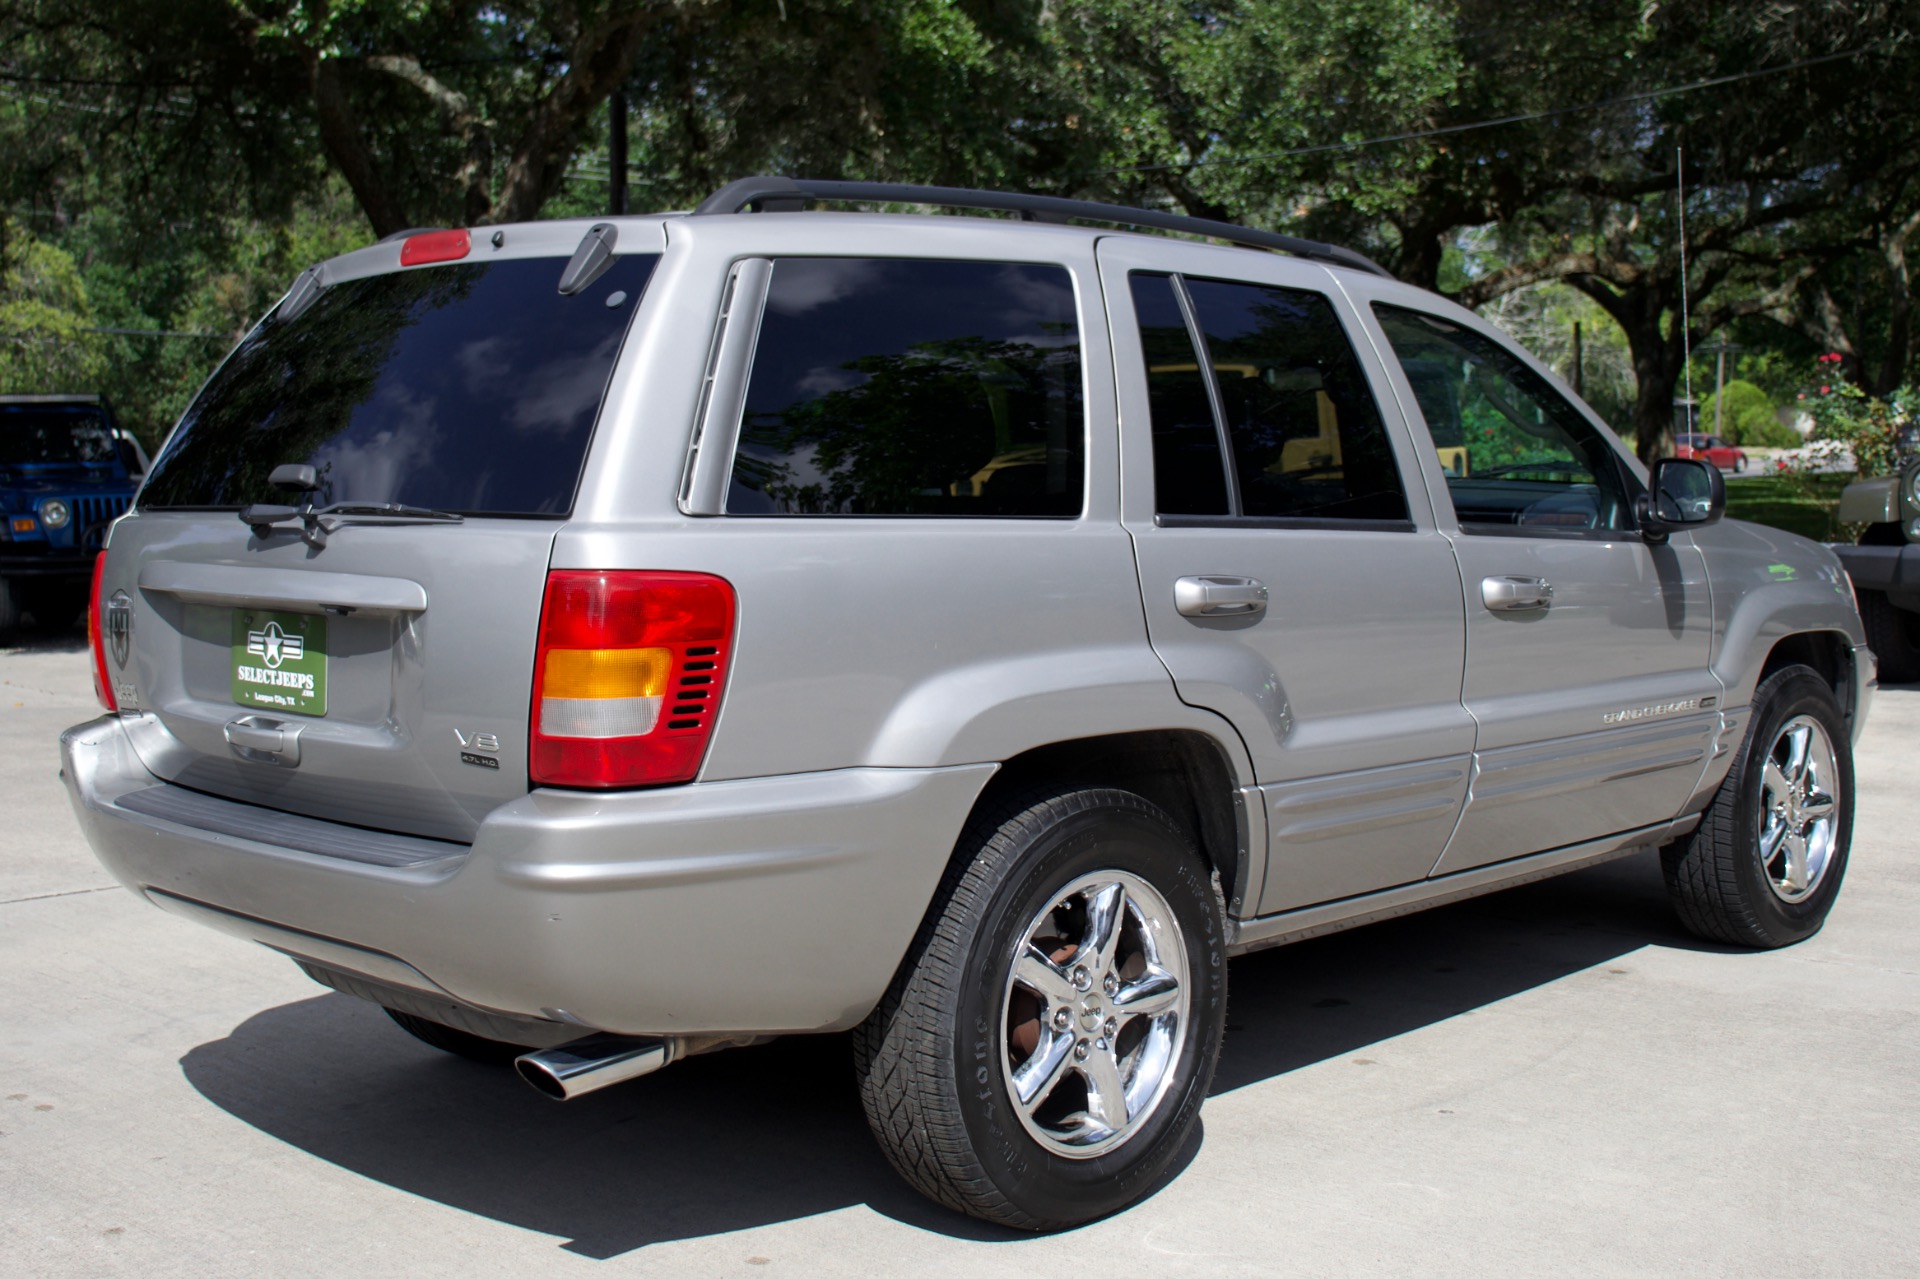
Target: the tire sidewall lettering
pixel 1081 842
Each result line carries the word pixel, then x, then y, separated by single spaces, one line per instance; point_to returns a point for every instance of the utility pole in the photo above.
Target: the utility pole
pixel 1720 348
pixel 617 153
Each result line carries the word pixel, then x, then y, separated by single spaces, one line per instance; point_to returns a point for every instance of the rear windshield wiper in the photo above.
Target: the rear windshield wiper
pixel 394 510
pixel 317 522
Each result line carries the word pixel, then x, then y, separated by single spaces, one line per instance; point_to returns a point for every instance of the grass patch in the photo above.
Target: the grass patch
pixel 1803 504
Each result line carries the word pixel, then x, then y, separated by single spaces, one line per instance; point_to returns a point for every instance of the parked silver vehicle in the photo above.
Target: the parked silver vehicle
pixel 600 643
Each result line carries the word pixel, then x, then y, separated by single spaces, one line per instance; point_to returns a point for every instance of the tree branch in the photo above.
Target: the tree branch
pixel 1620 272
pixel 598 60
pixel 1893 361
pixel 346 146
pixel 476 173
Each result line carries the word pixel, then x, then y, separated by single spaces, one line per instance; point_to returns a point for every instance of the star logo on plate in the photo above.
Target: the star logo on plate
pixel 274 646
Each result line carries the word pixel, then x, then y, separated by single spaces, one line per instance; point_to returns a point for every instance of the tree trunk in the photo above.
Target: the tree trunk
pixel 1422 246
pixel 1658 349
pixel 347 148
pixel 1653 411
pixel 1894 361
pixel 598 62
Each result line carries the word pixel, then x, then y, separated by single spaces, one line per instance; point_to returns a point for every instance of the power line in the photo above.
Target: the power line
pixel 160 333
pixel 1415 134
pixel 23 78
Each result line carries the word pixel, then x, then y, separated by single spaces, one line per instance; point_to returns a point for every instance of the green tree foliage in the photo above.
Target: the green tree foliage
pixel 47 341
pixel 1745 414
pixel 1774 165
pixel 1519 149
pixel 913 90
pixel 1242 110
pixel 1800 121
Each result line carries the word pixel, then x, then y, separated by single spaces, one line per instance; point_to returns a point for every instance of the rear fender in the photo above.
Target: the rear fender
pixel 994 710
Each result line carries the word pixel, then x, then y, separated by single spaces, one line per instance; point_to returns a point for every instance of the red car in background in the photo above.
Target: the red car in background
pixel 1710 448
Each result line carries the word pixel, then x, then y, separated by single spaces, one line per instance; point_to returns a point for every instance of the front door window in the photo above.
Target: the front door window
pixel 1518 457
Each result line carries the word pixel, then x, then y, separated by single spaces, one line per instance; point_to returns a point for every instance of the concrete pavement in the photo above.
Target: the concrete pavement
pixel 1554 1079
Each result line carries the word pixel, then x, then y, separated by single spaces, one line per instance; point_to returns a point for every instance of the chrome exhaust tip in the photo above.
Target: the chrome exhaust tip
pixel 590 1064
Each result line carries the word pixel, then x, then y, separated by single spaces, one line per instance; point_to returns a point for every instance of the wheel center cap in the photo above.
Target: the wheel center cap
pixel 1091 1016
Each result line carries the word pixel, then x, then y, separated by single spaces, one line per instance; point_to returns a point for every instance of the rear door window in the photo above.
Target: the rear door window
pixel 913 387
pixel 1189 473
pixel 1260 407
pixel 471 387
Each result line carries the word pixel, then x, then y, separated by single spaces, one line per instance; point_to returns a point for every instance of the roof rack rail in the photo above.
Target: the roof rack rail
pixel 790 195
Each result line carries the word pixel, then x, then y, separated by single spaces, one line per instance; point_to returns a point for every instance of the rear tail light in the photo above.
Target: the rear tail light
pixel 96 641
pixel 627 677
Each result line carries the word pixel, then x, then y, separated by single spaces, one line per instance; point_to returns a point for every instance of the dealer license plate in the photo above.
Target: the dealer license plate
pixel 280 661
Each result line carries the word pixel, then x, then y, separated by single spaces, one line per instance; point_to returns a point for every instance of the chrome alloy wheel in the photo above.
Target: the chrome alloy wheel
pixel 1799 809
pixel 1094 1015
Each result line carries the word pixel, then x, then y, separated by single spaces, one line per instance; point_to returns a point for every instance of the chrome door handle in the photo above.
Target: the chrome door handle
pixel 1213 596
pixel 263 740
pixel 1515 594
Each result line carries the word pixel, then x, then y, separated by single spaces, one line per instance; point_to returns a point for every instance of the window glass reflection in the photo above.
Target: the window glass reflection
pixel 913 387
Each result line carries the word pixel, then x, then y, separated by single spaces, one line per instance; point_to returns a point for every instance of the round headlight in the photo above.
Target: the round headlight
pixel 54 513
pixel 1913 486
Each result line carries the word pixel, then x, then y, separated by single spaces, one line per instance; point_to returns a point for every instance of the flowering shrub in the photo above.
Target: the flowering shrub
pixel 1874 430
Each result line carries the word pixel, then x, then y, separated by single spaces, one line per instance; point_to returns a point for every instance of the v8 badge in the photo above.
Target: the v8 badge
pixel 478 749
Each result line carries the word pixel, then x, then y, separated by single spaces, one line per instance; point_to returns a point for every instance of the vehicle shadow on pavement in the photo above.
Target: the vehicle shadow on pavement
pixel 762 1135
pixel 713 1144
pixel 1321 999
pixel 71 639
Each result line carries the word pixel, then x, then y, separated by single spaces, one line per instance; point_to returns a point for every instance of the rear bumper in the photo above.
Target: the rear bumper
pixel 1893 569
pixel 764 905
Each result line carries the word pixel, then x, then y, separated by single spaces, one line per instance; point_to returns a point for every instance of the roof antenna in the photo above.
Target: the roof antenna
pixel 1686 323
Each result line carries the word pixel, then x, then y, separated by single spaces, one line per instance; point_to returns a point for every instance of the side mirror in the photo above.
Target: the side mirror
pixel 129 457
pixel 1686 493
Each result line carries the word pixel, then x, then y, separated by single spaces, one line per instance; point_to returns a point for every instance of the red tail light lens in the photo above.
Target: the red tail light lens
pixel 628 676
pixel 435 246
pixel 96 641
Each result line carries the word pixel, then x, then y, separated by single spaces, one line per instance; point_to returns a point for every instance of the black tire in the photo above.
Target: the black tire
pixel 1719 882
pixel 934 1058
pixel 488 1052
pixel 1894 636
pixel 54 606
pixel 10 610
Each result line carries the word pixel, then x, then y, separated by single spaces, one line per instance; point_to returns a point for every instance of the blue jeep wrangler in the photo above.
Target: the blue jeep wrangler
pixel 66 470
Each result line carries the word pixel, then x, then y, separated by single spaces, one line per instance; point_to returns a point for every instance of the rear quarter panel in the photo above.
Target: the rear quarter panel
pixel 879 641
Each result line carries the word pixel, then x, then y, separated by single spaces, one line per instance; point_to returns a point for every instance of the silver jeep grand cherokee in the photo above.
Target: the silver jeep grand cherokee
pixel 603 643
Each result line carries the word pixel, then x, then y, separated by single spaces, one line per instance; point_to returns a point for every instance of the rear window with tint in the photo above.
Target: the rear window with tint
pixel 903 387
pixel 471 387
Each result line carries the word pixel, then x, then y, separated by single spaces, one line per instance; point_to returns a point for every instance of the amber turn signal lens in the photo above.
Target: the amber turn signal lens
pixel 606 672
